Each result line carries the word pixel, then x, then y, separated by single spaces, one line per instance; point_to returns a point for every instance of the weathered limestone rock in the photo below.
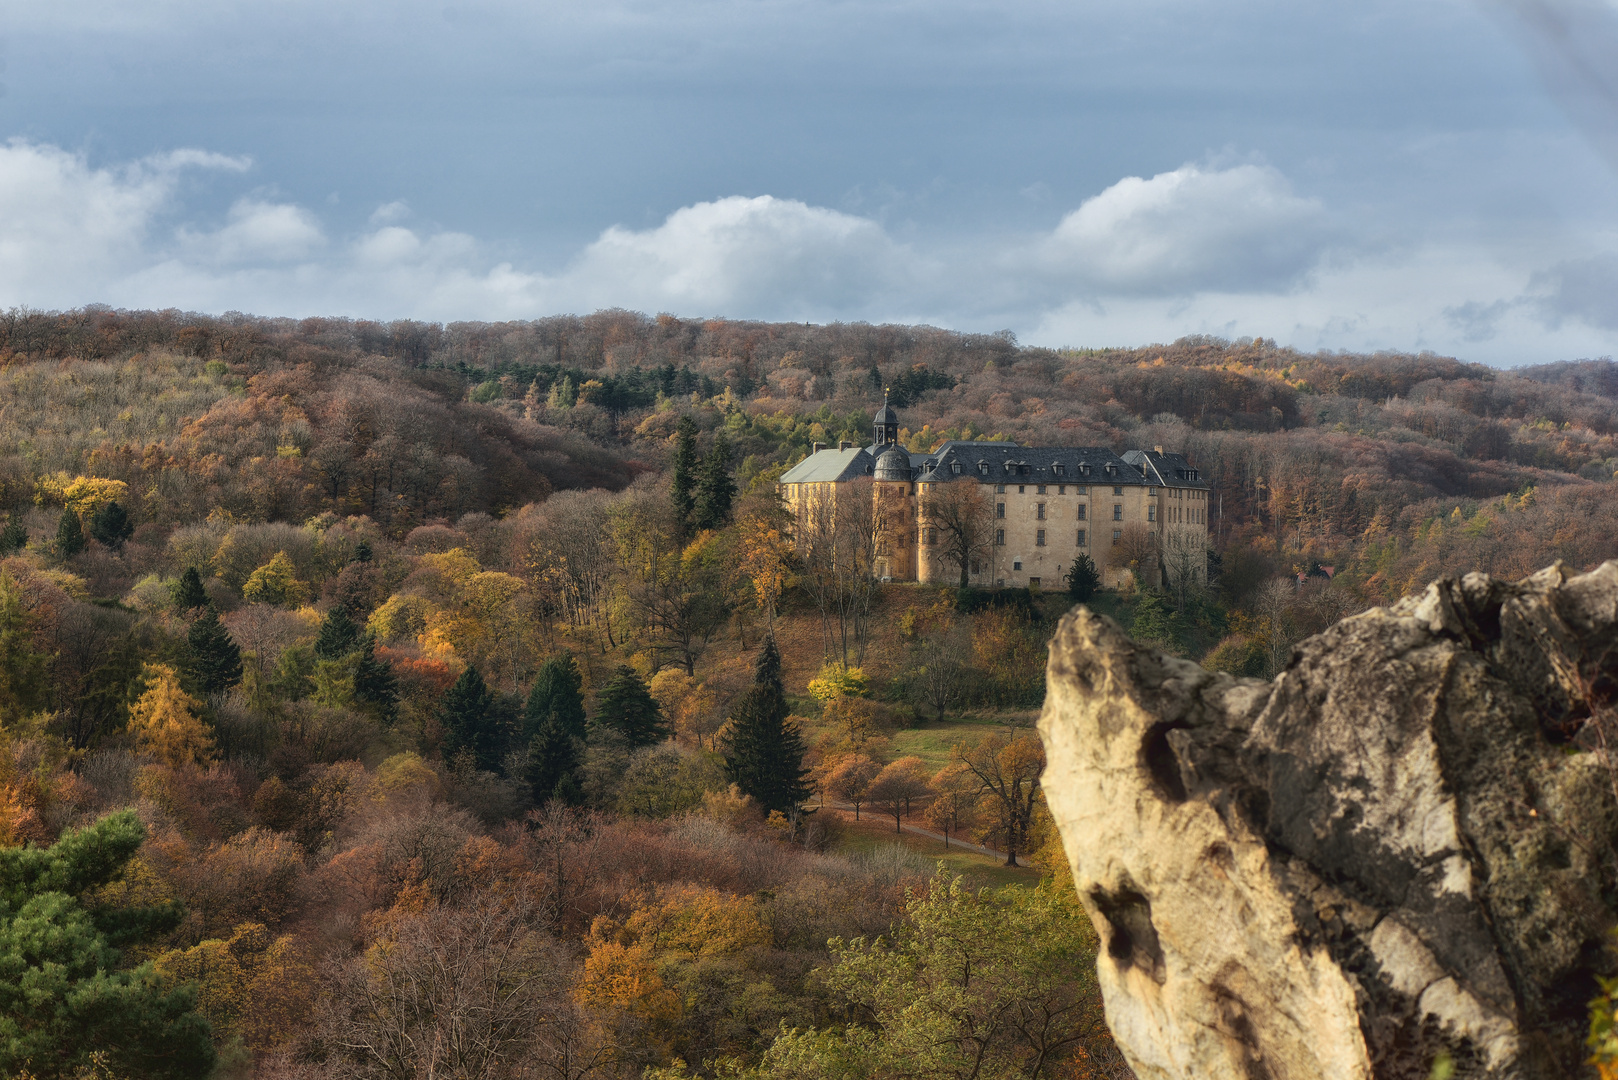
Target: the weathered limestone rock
pixel 1398 848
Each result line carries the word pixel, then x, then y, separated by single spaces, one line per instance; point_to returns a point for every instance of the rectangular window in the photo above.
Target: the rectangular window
pixel 1081 538
pixel 1117 512
pixel 1151 492
pixel 1117 535
pixel 1151 513
pixel 999 489
pixel 1039 538
pixel 1016 564
pixel 1082 489
pixel 1039 489
pixel 1117 489
pixel 1022 489
pixel 1039 511
pixel 1000 538
pixel 1083 511
pixel 999 510
pixel 1033 583
pixel 931 535
pixel 1059 469
pixel 1061 489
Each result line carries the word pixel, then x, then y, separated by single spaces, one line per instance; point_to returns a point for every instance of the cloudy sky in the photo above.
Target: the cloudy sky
pixel 1419 174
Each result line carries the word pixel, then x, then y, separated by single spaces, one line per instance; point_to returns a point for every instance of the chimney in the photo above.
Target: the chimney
pixel 1159 449
pixel 845 445
pixel 819 446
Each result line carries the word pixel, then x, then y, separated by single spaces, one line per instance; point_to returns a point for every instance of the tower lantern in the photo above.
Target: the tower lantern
pixel 886 426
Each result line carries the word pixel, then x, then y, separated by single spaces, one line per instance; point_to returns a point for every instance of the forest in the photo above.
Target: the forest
pixel 407 700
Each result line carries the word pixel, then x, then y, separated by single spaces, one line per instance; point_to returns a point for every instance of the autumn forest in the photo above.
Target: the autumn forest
pixel 401 700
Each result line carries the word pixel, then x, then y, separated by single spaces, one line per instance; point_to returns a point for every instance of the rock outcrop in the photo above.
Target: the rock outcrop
pixel 1401 849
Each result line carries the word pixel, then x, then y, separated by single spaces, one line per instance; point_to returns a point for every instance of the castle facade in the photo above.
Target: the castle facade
pixel 1029 512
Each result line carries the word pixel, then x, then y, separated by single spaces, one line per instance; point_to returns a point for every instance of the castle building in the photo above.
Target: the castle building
pixel 1031 510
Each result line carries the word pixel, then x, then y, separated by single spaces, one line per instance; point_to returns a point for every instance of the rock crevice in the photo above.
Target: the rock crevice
pixel 1402 847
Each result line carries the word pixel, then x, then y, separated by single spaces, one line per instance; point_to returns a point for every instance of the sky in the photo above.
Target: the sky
pixel 1415 175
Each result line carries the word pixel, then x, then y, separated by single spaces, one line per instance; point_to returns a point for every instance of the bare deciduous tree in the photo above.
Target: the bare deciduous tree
pixel 963 517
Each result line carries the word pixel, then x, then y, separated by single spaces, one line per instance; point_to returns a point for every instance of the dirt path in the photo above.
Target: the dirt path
pixel 919 831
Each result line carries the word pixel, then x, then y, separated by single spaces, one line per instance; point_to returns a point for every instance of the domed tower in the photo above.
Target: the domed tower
pixel 886 427
pixel 895 510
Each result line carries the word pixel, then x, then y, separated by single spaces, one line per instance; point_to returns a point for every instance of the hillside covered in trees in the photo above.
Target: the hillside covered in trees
pixel 383 687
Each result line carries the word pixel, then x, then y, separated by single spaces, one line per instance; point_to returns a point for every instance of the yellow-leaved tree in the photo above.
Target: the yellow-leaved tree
pixel 165 722
pixel 276 582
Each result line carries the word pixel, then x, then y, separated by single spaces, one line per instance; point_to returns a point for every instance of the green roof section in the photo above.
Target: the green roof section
pixel 829 466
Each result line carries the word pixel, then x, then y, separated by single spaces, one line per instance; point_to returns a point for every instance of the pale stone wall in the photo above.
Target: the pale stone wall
pixel 1043 528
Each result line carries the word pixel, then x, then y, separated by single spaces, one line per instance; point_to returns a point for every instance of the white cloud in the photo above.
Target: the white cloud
pixel 748 254
pixel 1193 229
pixel 257 231
pixel 1232 251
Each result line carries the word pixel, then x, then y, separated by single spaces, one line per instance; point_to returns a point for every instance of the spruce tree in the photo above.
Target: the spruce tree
pixel 374 681
pixel 69 534
pixel 627 710
pixel 14 537
pixel 553 761
pixel 763 749
pixel 67 988
pixel 362 551
pixel 339 635
pixel 685 467
pixel 557 690
pixel 216 662
pixel 111 525
pixel 470 722
pixel 188 591
pixel 1082 579
pixel 715 488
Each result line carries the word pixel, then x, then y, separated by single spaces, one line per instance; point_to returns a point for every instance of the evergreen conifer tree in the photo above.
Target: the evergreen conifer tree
pixel 69 534
pixel 1082 579
pixel 715 488
pixel 14 537
pixel 188 591
pixel 553 762
pixel 627 710
pixel 111 525
pixel 684 474
pixel 216 661
pixel 763 749
pixel 362 551
pixel 339 635
pixel 470 721
pixel 64 988
pixel 557 690
pixel 374 681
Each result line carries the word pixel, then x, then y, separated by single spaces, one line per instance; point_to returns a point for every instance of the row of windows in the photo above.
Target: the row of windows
pixel 1061 489
pixel 1081 514
pixel 1081 539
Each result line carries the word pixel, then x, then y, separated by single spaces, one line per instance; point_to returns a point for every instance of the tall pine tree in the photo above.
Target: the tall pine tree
pixel 558 690
pixel 216 661
pixel 374 681
pixel 470 722
pixel 684 480
pixel 763 749
pixel 14 537
pixel 69 534
pixel 627 710
pixel 553 762
pixel 339 635
pixel 188 592
pixel 111 525
pixel 715 488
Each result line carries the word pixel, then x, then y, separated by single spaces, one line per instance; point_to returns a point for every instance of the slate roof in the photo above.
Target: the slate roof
pixel 1168 470
pixel 1006 463
pixel 830 465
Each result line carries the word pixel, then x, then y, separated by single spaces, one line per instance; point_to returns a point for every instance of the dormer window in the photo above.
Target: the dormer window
pixel 1059 469
pixel 983 468
pixel 955 467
